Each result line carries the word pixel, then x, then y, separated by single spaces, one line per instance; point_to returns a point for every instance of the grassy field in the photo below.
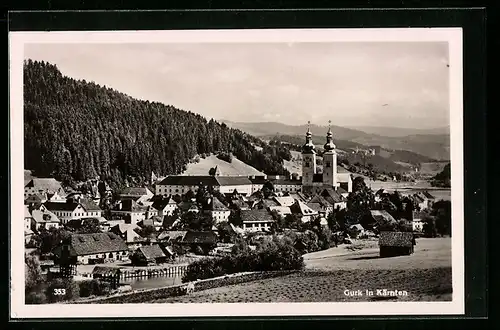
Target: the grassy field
pixel 235 168
pixel 425 276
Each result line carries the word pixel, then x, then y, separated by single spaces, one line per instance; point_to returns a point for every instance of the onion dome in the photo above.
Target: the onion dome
pixel 308 147
pixel 329 140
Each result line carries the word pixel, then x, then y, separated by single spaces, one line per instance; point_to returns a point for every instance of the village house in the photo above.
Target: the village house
pixel 425 200
pixel 44 219
pixel 171 236
pixel 165 206
pixel 150 255
pixel 89 249
pixel 130 211
pixel 72 209
pixel 204 240
pixel 284 184
pixel 334 198
pixel 43 186
pixel 128 233
pixel 284 200
pixel 396 243
pixel 417 221
pixel 218 211
pixel 140 195
pixel 304 212
pixel 256 220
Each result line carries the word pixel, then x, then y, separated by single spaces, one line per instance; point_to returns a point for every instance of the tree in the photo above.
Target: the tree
pixel 146 231
pixel 89 226
pixel 33 273
pixel 267 189
pixel 235 218
pixel 51 238
pixel 429 226
pixel 359 202
pixel 196 221
pixel 441 210
pixel 226 234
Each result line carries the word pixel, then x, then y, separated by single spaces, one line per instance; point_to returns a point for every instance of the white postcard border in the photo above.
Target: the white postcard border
pixel 17 40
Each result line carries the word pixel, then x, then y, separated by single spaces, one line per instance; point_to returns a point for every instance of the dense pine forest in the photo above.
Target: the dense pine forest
pixel 76 130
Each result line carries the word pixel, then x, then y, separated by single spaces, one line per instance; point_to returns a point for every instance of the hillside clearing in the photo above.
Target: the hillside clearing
pixel 235 168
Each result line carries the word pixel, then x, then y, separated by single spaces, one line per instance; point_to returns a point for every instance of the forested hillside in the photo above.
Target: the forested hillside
pixel 75 130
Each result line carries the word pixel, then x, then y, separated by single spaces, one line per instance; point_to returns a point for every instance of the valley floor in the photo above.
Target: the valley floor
pixel 424 275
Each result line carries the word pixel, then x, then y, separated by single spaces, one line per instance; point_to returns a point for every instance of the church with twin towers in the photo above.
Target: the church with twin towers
pixel 332 176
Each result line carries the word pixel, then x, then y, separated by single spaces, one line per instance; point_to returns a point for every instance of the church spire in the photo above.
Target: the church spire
pixel 329 138
pixel 308 146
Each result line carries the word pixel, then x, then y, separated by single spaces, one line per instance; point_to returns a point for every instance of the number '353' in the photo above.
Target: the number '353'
pixel 59 292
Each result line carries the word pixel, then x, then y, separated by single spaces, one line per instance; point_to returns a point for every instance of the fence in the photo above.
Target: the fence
pixel 174 271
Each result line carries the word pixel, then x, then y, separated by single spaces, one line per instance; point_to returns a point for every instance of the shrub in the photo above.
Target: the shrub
pixel 61 289
pixel 35 298
pixel 94 288
pixel 271 255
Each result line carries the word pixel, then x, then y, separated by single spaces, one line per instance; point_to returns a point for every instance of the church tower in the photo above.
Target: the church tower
pixel 330 161
pixel 308 160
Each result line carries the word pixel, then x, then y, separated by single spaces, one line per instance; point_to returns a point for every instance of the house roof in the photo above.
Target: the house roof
pixel 233 180
pixel 256 215
pixel 189 180
pixel 286 182
pixel 168 221
pixel 186 206
pixel 239 204
pixel 427 195
pixel 396 238
pixel 122 228
pixel 133 206
pixel 43 216
pixel 267 203
pixel 60 206
pixel 45 184
pixel 200 237
pixel 152 251
pixel 27 213
pixel 320 200
pixel 418 198
pixel 332 196
pixel 135 192
pixel 418 215
pixel 84 244
pixel 281 209
pixel 298 196
pixel 160 204
pixel 172 235
pixel 103 270
pixel 216 205
pixel 285 200
pixel 301 208
pixel 89 205
pixel 381 216
pixel 315 206
pixel 358 227
pixel 341 190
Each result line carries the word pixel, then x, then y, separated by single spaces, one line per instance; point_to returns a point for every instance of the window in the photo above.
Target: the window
pixel 306 164
pixel 328 164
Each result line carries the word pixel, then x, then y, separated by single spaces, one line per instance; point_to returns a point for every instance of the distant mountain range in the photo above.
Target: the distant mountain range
pixel 400 131
pixel 433 143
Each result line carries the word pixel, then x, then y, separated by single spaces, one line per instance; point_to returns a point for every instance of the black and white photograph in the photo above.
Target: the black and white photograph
pixel 275 172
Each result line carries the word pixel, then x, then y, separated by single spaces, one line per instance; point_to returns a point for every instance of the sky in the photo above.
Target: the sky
pixel 398 84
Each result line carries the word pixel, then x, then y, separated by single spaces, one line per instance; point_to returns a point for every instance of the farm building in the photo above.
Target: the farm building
pixel 92 248
pixel 108 274
pixel 151 254
pixel 396 243
pixel 256 220
pixel 204 240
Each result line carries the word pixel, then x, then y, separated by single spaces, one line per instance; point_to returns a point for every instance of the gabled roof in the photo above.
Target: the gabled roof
pixel 341 190
pixel 357 227
pixel 233 180
pixel 381 216
pixel 103 270
pixel 84 244
pixel 172 235
pixel 152 251
pixel 300 208
pixel 332 196
pixel 122 228
pixel 189 180
pixel 419 199
pixel 89 205
pixel 284 201
pixel 256 215
pixel 396 238
pixel 41 216
pixel 45 184
pixel 216 205
pixel 298 196
pixel 315 206
pixel 284 210
pixel 320 200
pixel 161 204
pixel 200 237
